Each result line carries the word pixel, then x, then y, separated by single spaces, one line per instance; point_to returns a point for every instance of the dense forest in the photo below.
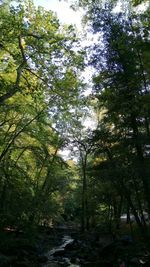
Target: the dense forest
pixel 103 186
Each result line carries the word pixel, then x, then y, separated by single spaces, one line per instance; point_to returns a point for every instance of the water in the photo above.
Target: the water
pixel 53 261
pixel 58 261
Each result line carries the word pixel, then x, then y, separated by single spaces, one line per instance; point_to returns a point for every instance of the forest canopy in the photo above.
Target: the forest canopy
pixel 43 107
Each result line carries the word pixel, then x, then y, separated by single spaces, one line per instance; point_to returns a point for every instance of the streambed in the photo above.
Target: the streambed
pixel 57 256
pixel 92 250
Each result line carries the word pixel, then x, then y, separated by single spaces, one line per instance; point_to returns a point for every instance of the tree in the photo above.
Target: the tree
pixel 34 46
pixel 39 88
pixel 121 83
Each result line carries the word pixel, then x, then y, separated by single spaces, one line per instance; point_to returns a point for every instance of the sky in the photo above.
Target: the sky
pixel 64 12
pixel 68 16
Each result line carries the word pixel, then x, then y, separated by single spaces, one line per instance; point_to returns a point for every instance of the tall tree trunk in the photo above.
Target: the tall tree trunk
pixel 123 191
pixel 139 204
pixel 84 225
pixel 142 169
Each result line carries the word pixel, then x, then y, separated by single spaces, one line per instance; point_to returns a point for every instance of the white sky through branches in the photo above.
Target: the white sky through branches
pixel 63 11
pixel 67 15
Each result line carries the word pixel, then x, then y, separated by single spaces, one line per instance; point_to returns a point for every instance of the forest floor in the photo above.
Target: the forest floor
pixel 93 248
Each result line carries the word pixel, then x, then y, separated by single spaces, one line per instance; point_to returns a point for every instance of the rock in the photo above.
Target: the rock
pixel 65 262
pixel 134 260
pixel 146 264
pixel 108 264
pixel 4 261
pixel 59 252
pixel 22 264
pixel 28 247
pixel 42 259
pixel 24 253
pixel 75 260
pixel 70 246
pixel 52 264
pixel 126 240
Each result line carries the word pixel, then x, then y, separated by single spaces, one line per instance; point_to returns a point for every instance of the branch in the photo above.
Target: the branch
pixel 33 35
pixel 17 134
pixel 22 49
pixel 19 70
pixel 15 87
pixel 36 75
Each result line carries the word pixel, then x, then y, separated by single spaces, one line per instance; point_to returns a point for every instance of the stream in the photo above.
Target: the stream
pixel 62 248
pixel 85 251
pixel 55 255
pixel 79 253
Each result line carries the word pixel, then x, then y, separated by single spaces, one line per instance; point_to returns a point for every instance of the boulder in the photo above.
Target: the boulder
pixel 42 259
pixel 59 252
pixel 22 264
pixel 52 264
pixel 4 261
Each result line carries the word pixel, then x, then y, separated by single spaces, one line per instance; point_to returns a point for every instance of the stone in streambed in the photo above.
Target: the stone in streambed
pixel 52 264
pixel 4 261
pixel 42 259
pixel 134 261
pixel 59 252
pixel 22 264
pixel 65 262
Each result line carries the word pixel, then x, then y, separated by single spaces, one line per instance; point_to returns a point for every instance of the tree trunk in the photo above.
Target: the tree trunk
pixel 142 169
pixel 84 223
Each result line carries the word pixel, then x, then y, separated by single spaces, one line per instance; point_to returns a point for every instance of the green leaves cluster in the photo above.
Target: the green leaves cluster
pixel 117 173
pixel 39 67
pixel 121 86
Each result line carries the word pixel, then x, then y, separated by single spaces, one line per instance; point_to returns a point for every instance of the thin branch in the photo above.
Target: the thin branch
pixel 17 134
pixel 22 49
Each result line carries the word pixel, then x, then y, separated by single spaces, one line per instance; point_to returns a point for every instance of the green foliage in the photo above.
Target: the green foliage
pixel 37 53
pixel 43 108
pixel 39 68
pixel 121 87
pixel 138 2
